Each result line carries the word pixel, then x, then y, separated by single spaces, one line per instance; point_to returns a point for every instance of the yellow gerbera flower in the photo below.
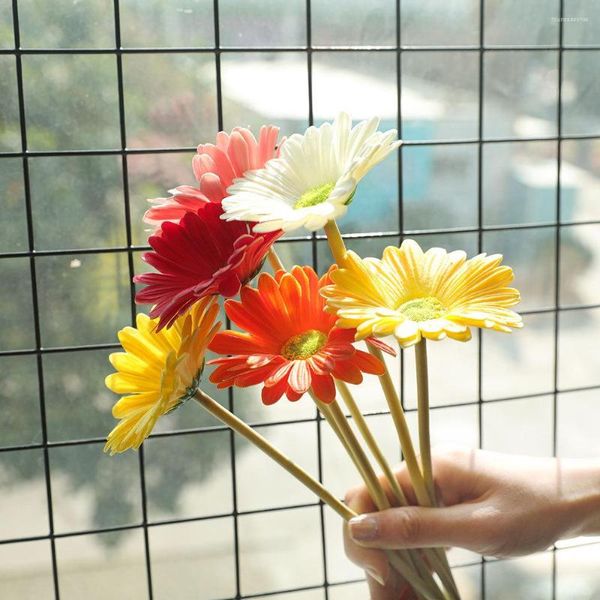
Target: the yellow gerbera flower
pixel 411 294
pixel 158 371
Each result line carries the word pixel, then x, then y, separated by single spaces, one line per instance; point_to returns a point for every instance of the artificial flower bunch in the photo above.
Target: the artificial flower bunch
pixel 297 331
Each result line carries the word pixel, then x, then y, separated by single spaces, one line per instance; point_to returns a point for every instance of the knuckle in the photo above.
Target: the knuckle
pixel 449 452
pixel 351 494
pixel 406 525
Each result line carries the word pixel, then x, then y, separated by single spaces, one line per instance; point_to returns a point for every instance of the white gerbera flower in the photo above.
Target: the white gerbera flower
pixel 314 178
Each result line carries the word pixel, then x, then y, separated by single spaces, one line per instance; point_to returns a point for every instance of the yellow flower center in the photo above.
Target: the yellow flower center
pixel 422 309
pixel 304 345
pixel 314 196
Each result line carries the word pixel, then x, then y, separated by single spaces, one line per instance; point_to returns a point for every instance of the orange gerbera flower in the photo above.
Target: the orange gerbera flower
pixel 289 343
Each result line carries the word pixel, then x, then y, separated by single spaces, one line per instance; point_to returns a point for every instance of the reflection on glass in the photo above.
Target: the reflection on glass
pixel 580 180
pixel 519 426
pixel 16 316
pixel 103 565
pixel 7 39
pixel 452 425
pixel 19 398
pixel 26 571
pixel 583 26
pixel 468 580
pixel 439 95
pixel 71 102
pixel 578 414
pixel 450 242
pixel 440 23
pixel 13 221
pixel 23 494
pixel 577 574
pixel 268 562
pixel 439 186
pixel 301 595
pixel 514 23
pixel 177 488
pixel 578 359
pixel 262 23
pixel 84 194
pixel 579 256
pixel 452 372
pixel 521 362
pixel 193 560
pixel 353 23
pixel 339 567
pixel 176 106
pixel 520 94
pixel 580 91
pixel 528 577
pixel 374 207
pixel 361 83
pixel 67 416
pixel 166 23
pixel 10 129
pixel 519 183
pixel 66 24
pixel 93 490
pixel 530 253
pixel 151 176
pixel 260 88
pixel 349 591
pixel 294 253
pixel 264 484
pixel 84 299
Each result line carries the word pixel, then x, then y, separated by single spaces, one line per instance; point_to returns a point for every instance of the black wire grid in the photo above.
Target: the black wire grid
pixel 395 236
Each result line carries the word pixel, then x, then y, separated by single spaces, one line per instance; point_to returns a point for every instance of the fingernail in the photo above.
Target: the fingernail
pixel 363 528
pixel 375 575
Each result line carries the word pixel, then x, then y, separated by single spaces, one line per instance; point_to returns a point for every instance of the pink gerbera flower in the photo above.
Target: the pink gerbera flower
pixel 215 167
pixel 200 256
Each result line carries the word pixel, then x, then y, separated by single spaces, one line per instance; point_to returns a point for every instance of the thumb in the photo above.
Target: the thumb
pixel 418 527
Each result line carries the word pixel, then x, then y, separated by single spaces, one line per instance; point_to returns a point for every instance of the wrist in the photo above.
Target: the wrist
pixel 579 491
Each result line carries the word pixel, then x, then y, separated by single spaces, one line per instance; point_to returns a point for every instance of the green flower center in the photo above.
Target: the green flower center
pixel 304 345
pixel 422 309
pixel 314 196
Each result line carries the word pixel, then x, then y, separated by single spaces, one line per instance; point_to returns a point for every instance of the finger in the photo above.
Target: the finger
pixel 464 525
pixel 359 500
pixel 373 561
pixel 395 589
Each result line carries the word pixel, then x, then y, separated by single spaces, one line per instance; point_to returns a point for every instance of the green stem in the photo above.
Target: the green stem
pixel 423 416
pixel 227 417
pixel 402 560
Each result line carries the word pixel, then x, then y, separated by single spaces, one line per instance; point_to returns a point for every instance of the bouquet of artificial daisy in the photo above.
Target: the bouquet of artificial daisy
pixel 297 330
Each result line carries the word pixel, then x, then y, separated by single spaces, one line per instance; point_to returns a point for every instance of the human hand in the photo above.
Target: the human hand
pixel 490 503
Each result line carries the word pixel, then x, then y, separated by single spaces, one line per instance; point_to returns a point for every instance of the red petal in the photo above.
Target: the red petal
pixel 377 343
pixel 368 363
pixel 324 388
pixel 346 370
pixel 270 394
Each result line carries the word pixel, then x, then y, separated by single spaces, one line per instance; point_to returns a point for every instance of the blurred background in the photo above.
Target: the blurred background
pixel 494 159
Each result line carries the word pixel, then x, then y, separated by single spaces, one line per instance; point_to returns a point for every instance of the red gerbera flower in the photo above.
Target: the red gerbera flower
pixel 215 167
pixel 289 343
pixel 197 257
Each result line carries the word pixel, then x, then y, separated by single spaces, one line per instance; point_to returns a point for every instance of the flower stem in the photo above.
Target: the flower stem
pixel 432 556
pixel 275 261
pixel 420 578
pixel 423 415
pixel 225 416
pixel 336 242
pixel 403 432
pixel 361 423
